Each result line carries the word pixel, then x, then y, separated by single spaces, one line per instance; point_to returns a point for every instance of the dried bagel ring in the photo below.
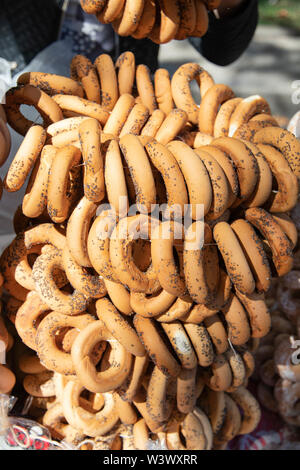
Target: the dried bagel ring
pixel 181 91
pixel 173 179
pixel 140 171
pixel 178 310
pixel 93 182
pixel 186 390
pixel 245 164
pixel 137 117
pixel 108 81
pixel 44 234
pixel 82 70
pixel 254 251
pixel 82 106
pixel 89 285
pixel 78 230
pixel 110 11
pixel 117 371
pixel 88 423
pixel 237 322
pixel 235 260
pixel 27 318
pixel 155 346
pixel 151 306
pixel 25 158
pixel 251 409
pixel 259 315
pixel 98 245
pixel 51 84
pixel 195 175
pixel 231 424
pixel 172 126
pixel 50 355
pixel 276 238
pixel 130 387
pixel 119 114
pixel 187 19
pixel 246 110
pixel 31 96
pixel 59 196
pixel 210 103
pixel 286 194
pixel 219 183
pixel 23 271
pixel 158 406
pixel 213 404
pixel 57 300
pixel 288 226
pixel 119 296
pixel 128 20
pixel 115 180
pixel 238 369
pixel 284 141
pixel 92 6
pixel 145 88
pixel 125 65
pixel 181 344
pixel 217 333
pixel 163 92
pixel 119 327
pixel 167 22
pixel 153 124
pixel 221 125
pixel 219 376
pixel 146 21
pixel 202 343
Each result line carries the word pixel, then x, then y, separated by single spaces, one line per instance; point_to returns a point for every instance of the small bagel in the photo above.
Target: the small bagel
pixel 51 84
pixel 172 126
pixel 137 117
pixel 128 21
pixel 210 103
pixel 108 82
pixel 83 70
pixel 251 410
pixel 237 322
pixel 163 92
pixel 82 107
pixel 119 114
pixel 181 344
pixel 245 110
pixel 125 65
pixel 202 343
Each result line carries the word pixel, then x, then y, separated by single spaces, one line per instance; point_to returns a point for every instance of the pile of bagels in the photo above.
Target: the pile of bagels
pixel 130 341
pixel 159 20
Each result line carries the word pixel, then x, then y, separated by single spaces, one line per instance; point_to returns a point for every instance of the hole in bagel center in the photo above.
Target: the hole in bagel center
pixel 141 253
pixel 31 113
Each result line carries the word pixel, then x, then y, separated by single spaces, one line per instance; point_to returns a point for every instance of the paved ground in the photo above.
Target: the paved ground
pixel 269 67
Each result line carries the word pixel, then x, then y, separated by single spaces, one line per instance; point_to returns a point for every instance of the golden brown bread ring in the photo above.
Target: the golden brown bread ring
pixel 151 306
pixel 221 125
pixel 44 234
pixel 172 126
pixel 254 252
pixel 122 261
pixel 158 405
pixel 98 245
pixel 25 158
pixel 119 327
pixel 287 185
pixel 57 300
pixel 181 344
pixel 128 20
pixel 130 387
pixel 288 226
pixel 92 6
pixel 245 110
pixel 82 106
pixel 126 412
pixel 27 318
pixel 190 427
pixel 82 70
pixel 186 390
pixel 63 183
pixel 167 22
pixel 119 114
pixel 119 296
pixel 51 84
pixel 35 198
pixel 93 180
pixel 108 82
pixel 137 117
pixel 125 66
pixel 213 404
pixel 202 343
pixel 146 21
pixel 140 171
pixel 173 179
pixel 178 310
pixel 145 87
pixel 210 104
pixel 181 91
pixel 31 96
pixel 237 322
pixel 110 11
pixel 88 423
pixel 260 318
pixel 156 348
pixel 163 92
pixel 78 230
pixel 115 180
pixel 196 177
pixel 50 355
pixel 276 238
pixel 153 124
pixel 219 375
pixel 231 424
pixel 248 131
pixel 235 260
pixel 23 271
pixel 245 164
pixel 263 188
pixel 187 19
pixel 217 333
pixel 285 142
pixel 118 369
pixel 250 407
pixel 90 285
pixel 238 369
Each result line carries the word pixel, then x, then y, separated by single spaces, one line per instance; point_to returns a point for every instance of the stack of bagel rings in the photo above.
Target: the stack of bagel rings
pixel 134 327
pixel 159 20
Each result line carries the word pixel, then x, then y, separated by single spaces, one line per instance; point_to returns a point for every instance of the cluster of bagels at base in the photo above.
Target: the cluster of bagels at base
pixel 159 20
pixel 128 341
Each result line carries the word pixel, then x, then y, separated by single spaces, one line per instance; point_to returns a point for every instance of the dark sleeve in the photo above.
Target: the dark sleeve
pixel 227 38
